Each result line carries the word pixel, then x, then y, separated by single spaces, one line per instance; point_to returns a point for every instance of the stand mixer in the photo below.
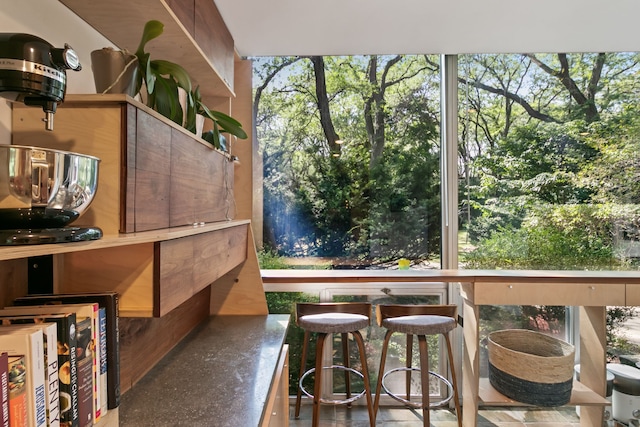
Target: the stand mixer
pixel 41 190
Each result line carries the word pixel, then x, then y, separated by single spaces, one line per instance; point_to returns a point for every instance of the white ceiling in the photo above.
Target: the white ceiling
pixel 343 27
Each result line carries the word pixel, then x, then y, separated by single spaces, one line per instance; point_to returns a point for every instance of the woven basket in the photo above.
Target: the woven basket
pixel 531 367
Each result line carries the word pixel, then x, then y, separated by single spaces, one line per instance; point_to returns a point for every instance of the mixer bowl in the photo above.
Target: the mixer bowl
pixel 44 188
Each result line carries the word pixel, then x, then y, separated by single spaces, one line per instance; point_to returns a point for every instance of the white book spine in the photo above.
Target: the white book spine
pixel 30 343
pixel 52 381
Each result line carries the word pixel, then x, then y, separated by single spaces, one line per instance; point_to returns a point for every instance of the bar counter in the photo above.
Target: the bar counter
pixel 590 291
pixel 218 375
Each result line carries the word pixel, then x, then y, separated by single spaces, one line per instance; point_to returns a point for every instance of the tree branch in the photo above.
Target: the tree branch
pixel 514 97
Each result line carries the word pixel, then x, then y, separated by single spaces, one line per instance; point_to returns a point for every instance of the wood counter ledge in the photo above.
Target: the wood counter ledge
pixel 218 375
pixel 475 276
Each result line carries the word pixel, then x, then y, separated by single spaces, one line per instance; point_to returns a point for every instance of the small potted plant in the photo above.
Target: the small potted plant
pixel 163 81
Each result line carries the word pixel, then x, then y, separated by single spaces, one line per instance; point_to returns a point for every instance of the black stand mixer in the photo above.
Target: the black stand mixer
pixel 41 190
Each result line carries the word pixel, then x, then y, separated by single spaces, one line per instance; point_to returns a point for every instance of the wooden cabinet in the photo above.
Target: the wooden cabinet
pixel 213 37
pixel 154 278
pixel 153 173
pixel 564 293
pixel 164 201
pixel 154 176
pixel 277 407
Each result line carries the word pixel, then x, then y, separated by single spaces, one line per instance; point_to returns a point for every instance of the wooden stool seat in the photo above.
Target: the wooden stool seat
pixel 419 320
pixel 326 319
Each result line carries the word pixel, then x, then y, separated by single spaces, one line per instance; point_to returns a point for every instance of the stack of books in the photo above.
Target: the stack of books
pixel 59 360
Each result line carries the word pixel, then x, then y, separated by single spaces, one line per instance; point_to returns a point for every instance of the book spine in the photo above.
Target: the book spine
pixel 52 382
pixel 67 368
pixel 103 362
pixel 17 392
pixel 96 349
pixel 29 344
pixel 4 390
pixel 37 379
pixel 85 372
pixel 113 354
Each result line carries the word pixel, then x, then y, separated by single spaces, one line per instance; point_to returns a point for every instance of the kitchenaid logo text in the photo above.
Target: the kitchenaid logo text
pixel 32 67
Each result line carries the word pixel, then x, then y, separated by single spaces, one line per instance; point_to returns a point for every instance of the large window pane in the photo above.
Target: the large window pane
pixel 351 159
pixel 549 171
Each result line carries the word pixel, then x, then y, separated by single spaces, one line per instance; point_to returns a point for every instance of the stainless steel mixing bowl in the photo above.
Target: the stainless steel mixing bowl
pixel 44 188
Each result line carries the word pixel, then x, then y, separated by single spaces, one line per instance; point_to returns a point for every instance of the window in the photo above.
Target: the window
pixel 351 158
pixel 548 172
pixel 547 167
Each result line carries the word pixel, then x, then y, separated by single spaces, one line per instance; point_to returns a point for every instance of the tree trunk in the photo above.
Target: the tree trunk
pixel 323 104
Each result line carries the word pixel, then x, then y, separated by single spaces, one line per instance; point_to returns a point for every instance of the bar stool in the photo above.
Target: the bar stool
pixel 326 319
pixel 420 320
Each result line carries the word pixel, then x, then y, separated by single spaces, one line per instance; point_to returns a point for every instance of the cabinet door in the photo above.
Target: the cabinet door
pixel 201 188
pixel 153 173
pixel 189 264
pixel 185 12
pixel 277 408
pixel 213 37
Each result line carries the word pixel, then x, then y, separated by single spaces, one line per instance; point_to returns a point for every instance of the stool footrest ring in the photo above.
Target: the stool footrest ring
pixel 419 404
pixel 329 401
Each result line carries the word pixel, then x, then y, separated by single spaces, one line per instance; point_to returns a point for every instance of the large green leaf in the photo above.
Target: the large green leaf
pixel 167 68
pixel 152 29
pixel 229 124
pixel 166 99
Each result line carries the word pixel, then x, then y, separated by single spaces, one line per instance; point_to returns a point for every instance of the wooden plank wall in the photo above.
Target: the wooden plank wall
pixel 145 341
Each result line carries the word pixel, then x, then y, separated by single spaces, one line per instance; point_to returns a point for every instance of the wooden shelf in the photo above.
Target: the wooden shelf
pixel 16 252
pixel 122 22
pixel 580 396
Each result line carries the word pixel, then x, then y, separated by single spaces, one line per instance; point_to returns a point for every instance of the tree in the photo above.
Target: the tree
pixel 339 192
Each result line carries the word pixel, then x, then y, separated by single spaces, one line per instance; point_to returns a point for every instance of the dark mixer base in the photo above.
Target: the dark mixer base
pixel 48 235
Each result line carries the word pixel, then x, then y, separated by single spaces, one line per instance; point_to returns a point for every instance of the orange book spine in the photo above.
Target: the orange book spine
pixel 17 392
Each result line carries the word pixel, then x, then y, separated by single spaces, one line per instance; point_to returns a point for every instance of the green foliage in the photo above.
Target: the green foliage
pixel 163 78
pixel 320 205
pixel 160 77
pixel 526 146
pixel 269 260
pixel 221 122
pixel 560 238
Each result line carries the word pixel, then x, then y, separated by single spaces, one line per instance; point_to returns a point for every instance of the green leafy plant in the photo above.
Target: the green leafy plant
pixel 163 78
pixel 222 123
pixel 160 77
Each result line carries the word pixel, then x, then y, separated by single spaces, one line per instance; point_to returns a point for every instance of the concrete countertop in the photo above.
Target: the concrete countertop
pixel 218 375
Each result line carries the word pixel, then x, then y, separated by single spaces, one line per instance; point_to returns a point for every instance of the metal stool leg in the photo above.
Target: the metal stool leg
pixel 317 386
pixel 365 372
pixel 456 399
pixel 345 361
pixel 303 363
pixel 383 357
pixel 424 379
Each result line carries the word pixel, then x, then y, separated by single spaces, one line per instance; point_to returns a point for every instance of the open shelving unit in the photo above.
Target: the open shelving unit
pixel 122 22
